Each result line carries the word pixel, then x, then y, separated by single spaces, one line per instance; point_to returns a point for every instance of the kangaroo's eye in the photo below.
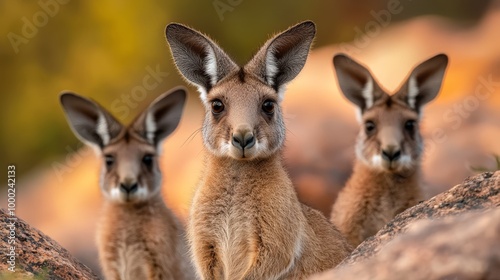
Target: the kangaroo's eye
pixel 217 107
pixel 109 160
pixel 147 160
pixel 370 127
pixel 410 125
pixel 268 107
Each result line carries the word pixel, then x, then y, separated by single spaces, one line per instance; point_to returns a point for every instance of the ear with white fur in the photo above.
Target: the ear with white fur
pixel 282 58
pixel 162 116
pixel 424 82
pixel 198 58
pixel 91 123
pixel 356 82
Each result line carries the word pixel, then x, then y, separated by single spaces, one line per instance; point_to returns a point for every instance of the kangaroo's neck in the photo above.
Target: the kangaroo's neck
pixel 133 209
pixel 231 170
pixel 368 175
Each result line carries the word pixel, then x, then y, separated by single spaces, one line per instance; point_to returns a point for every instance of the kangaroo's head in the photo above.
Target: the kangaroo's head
pixel 243 117
pixel 389 138
pixel 130 170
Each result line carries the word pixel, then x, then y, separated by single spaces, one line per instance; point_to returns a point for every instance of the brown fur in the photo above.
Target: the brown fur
pixel 246 221
pixel 141 241
pixel 138 237
pixel 370 199
pixel 380 187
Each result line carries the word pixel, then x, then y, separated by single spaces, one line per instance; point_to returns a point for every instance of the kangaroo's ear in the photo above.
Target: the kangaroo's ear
pixel 424 82
pixel 198 58
pixel 356 82
pixel 282 58
pixel 91 123
pixel 161 117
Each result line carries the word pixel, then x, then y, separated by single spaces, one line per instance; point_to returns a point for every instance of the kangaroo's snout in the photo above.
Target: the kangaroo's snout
pixel 129 188
pixel 391 153
pixel 243 139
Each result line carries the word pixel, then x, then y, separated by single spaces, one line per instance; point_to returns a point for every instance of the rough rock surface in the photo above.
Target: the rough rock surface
pixel 37 255
pixel 475 193
pixel 458 247
pixel 454 235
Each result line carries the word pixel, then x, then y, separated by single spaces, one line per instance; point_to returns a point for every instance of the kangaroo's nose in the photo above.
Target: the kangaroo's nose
pixel 391 154
pixel 243 140
pixel 128 188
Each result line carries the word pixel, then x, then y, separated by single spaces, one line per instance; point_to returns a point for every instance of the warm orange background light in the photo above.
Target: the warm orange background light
pixel 321 125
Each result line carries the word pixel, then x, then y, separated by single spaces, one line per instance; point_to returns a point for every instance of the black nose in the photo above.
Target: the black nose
pixel 391 155
pixel 243 141
pixel 129 188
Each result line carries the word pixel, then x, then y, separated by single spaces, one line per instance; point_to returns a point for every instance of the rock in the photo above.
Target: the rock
pixel 37 255
pixel 454 235
pixel 458 247
pixel 475 193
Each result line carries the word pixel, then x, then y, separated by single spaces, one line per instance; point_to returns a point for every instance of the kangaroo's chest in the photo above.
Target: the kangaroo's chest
pixel 226 217
pixel 226 223
pixel 122 252
pixel 131 260
pixel 127 247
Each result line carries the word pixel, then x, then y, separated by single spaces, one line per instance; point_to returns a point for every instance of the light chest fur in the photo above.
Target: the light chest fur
pixel 371 199
pixel 139 242
pixel 239 218
pixel 227 210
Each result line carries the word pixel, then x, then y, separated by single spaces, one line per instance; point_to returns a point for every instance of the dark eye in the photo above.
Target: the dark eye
pixel 217 107
pixel 268 107
pixel 370 127
pixel 147 160
pixel 410 125
pixel 109 160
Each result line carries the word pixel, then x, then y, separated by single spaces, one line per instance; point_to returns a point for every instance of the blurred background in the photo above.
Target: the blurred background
pixel 107 49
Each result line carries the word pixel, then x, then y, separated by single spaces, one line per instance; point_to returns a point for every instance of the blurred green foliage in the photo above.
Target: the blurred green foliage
pixel 20 274
pixel 481 169
pixel 101 49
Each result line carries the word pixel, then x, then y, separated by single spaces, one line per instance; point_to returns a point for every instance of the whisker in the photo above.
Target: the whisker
pixel 191 137
pixel 201 151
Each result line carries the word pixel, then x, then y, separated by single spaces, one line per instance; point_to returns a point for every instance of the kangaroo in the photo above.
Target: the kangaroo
pixel 386 176
pixel 246 221
pixel 138 236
